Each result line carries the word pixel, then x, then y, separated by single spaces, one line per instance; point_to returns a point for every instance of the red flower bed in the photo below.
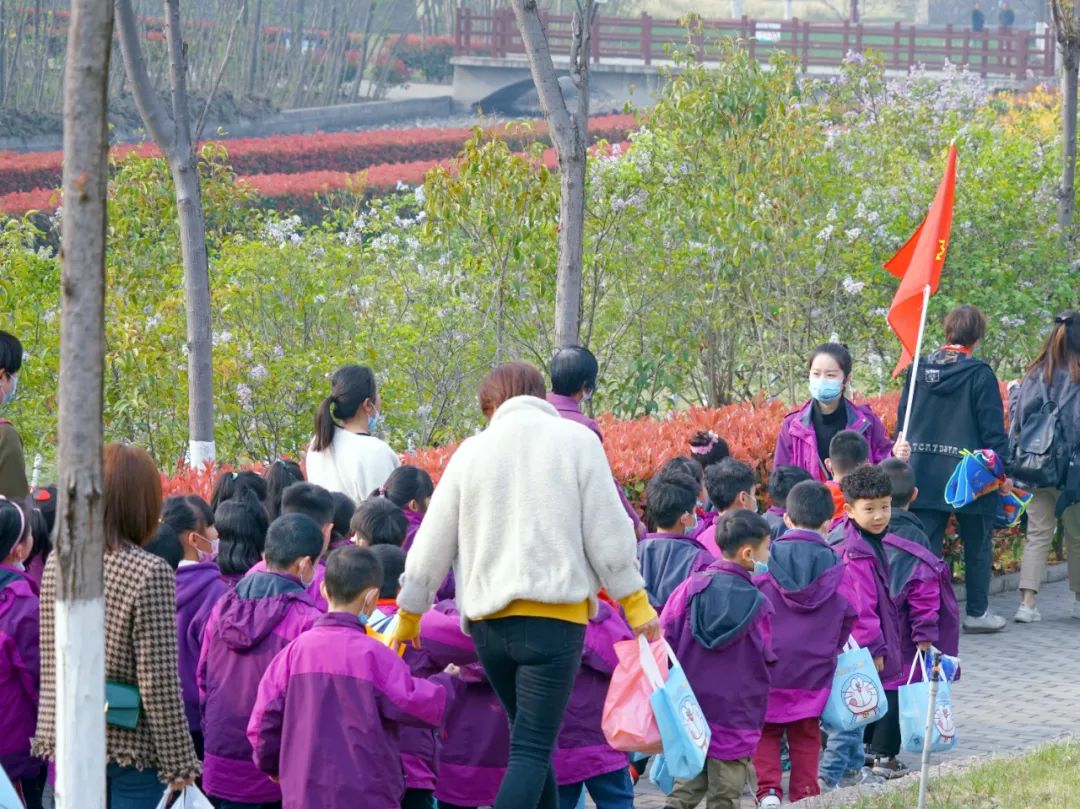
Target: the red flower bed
pixel 293 154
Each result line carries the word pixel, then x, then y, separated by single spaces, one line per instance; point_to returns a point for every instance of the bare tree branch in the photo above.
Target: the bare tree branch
pixel 220 73
pixel 151 108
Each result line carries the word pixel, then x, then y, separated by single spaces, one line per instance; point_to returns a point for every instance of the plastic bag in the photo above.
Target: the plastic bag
pixel 190 798
pixel 857 697
pixel 683 730
pixel 659 775
pixel 627 721
pixel 914 702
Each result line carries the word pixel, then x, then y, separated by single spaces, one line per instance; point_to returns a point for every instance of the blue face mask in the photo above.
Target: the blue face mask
pixel 374 423
pixel 11 393
pixel 826 390
pixel 760 568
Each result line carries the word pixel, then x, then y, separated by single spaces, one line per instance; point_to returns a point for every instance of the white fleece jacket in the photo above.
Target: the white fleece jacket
pixel 524 510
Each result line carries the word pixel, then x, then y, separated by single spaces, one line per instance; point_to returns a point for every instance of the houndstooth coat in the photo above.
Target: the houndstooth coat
pixel 140 650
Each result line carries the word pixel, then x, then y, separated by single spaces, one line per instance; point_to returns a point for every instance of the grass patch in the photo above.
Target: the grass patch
pixel 1049 776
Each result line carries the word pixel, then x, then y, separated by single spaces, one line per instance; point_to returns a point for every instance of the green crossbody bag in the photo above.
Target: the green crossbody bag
pixel 123 703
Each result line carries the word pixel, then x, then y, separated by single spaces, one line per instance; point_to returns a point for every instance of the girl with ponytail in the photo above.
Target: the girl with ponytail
pixel 19 657
pixel 410 489
pixel 345 456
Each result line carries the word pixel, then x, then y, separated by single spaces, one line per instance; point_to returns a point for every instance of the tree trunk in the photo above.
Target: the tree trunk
pixel 79 640
pixel 256 45
pixel 569 134
pixel 1067 193
pixel 172 134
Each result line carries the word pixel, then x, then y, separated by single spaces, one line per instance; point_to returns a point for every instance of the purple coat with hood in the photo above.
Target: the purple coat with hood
pixel 442 643
pixel 666 561
pixel 797 443
pixel 718 624
pixel 247 628
pixel 327 715
pixel 921 588
pixel 20 667
pixel 198 588
pixel 414 519
pixel 866 587
pixel 570 408
pixel 581 751
pixel 810 624
pixel 314 589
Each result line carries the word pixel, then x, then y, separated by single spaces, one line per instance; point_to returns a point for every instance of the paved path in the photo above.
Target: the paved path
pixel 1019 687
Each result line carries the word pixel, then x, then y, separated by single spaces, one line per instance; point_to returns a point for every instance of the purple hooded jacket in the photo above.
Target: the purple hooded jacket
pixel 666 561
pixel 327 714
pixel 866 587
pixel 921 588
pixel 247 628
pixel 475 744
pixel 570 408
pixel 442 643
pixel 20 667
pixel 581 751
pixel 314 590
pixel 414 519
pixel 718 624
pixel 797 443
pixel 810 624
pixel 198 588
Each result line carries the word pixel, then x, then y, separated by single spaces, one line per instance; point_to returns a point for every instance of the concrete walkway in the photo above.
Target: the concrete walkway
pixel 1019 687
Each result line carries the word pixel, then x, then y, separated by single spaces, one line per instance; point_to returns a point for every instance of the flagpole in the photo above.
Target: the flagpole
pixel 915 361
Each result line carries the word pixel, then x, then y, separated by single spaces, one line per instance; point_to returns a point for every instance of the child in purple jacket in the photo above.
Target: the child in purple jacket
pixel 409 488
pixel 442 644
pixel 732 485
pixel 325 723
pixel 718 623
pixel 668 557
pixel 781 481
pixel 583 759
pixel 198 587
pixel 921 588
pixel 19 655
pixel 810 625
pixel 868 508
pixel 247 628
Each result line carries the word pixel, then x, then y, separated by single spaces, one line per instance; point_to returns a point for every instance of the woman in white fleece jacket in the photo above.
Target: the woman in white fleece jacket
pixel 527 515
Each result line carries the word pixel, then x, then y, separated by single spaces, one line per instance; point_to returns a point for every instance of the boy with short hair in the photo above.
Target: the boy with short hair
pixel 781 481
pixel 378 521
pixel 717 622
pixel 847 451
pixel 732 485
pixel 868 508
pixel 669 556
pixel 921 588
pixel 247 628
pixel 342 751
pixel 811 623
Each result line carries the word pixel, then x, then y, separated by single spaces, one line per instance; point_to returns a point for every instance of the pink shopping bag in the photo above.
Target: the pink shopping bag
pixel 628 722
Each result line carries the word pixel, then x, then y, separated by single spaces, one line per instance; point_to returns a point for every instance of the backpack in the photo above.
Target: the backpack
pixel 1038 450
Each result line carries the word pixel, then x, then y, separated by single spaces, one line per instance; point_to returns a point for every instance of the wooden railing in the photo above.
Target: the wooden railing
pixel 1015 54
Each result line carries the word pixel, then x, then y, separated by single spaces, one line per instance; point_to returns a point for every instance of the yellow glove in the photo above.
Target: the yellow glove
pixel 639 611
pixel 406 628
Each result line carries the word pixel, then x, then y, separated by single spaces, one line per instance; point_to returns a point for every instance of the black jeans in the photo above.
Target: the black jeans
pixel 531 663
pixel 976 534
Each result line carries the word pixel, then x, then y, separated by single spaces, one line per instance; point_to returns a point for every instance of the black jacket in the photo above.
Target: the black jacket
pixel 957 406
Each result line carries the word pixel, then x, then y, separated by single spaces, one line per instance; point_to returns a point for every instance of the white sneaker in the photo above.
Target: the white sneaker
pixel 769 802
pixel 985 623
pixel 1027 615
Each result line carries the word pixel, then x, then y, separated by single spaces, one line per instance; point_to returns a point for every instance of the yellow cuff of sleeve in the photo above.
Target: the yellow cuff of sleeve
pixel 408 626
pixel 638 609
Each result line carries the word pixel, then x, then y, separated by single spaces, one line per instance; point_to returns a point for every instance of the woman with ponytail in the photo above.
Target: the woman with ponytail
pixel 1054 376
pixel 345 456
pixel 19 658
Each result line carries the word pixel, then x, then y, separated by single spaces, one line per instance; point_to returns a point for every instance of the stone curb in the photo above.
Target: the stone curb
pixel 1011 581
pixel 851 795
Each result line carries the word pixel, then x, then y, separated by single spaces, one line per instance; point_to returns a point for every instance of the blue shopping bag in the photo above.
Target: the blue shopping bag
pixel 684 733
pixel 914 704
pixel 659 775
pixel 856 698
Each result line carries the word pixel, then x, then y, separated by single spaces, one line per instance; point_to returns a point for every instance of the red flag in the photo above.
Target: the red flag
pixel 919 262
